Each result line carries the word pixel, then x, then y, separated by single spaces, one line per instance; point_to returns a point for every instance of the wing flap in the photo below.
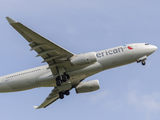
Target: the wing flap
pixel 53 54
pixel 52 97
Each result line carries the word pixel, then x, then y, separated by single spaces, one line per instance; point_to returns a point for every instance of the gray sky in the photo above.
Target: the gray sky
pixel 130 92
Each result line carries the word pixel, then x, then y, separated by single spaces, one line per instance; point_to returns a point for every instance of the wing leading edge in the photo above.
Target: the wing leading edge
pixel 52 97
pixel 53 54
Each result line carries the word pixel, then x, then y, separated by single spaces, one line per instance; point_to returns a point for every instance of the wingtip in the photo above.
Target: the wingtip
pixel 35 107
pixel 11 21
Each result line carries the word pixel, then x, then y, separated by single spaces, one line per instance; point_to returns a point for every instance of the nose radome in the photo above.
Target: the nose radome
pixel 154 48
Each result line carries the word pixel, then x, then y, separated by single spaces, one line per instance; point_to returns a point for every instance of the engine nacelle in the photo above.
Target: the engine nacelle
pixel 83 59
pixel 87 86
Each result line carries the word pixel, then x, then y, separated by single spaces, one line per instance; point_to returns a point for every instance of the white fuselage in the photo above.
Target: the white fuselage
pixel 106 59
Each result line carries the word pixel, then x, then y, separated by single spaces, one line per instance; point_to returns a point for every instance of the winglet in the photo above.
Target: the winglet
pixel 11 21
pixel 35 107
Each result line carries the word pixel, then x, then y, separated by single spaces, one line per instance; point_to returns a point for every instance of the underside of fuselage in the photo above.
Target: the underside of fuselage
pixel 44 78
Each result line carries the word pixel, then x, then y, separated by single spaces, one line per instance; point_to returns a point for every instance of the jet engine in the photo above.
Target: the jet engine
pixel 87 86
pixel 83 59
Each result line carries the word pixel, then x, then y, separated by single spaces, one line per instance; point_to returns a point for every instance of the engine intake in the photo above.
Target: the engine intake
pixel 87 86
pixel 83 59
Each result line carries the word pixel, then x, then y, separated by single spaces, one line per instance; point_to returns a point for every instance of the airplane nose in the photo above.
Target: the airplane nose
pixel 154 48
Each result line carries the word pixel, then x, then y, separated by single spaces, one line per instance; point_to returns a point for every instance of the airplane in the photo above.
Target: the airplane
pixel 66 70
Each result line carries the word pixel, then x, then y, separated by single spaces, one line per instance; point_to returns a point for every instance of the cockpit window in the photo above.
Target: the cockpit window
pixel 146 44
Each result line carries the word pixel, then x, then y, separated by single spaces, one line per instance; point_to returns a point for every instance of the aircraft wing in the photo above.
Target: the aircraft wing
pixel 53 54
pixel 52 97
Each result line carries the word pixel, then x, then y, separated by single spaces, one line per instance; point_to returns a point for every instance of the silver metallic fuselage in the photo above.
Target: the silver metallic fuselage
pixel 106 59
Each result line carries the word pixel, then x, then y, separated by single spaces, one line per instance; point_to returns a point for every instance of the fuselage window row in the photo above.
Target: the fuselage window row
pixel 23 73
